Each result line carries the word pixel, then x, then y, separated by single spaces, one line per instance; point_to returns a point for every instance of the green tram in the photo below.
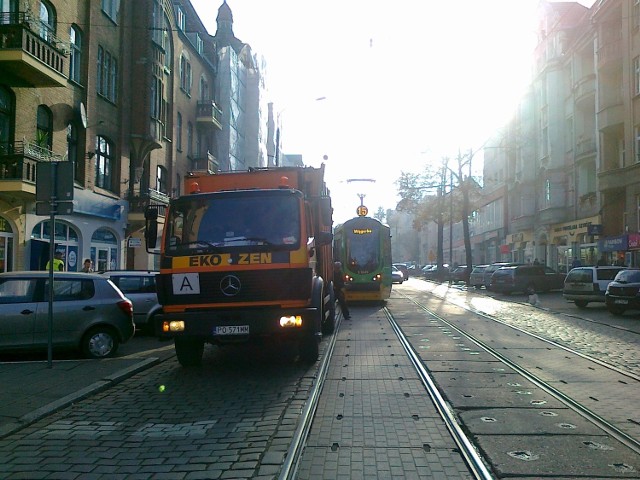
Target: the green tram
pixel 363 245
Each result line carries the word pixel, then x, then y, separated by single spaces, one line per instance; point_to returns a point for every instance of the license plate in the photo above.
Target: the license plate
pixel 621 302
pixel 231 330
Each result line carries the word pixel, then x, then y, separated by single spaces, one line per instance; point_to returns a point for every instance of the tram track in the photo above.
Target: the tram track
pixel 469 331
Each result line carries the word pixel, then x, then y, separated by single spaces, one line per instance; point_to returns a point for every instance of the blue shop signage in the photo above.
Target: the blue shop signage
pixel 614 244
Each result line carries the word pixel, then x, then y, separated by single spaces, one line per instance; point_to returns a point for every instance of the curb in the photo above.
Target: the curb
pixel 96 387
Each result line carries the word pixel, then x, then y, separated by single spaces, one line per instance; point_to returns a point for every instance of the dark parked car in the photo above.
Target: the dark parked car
pixel 491 268
pixel 459 274
pixel 523 278
pixel 476 277
pixel 588 284
pixel 90 313
pixel 623 293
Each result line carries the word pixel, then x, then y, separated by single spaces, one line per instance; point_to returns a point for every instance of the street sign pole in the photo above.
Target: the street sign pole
pixel 52 252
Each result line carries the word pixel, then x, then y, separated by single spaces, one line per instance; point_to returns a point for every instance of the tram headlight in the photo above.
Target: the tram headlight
pixel 377 278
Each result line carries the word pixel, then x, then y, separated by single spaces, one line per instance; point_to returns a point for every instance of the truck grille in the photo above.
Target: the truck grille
pixel 254 286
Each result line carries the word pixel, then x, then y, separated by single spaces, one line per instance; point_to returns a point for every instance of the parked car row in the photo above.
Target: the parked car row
pixel 616 286
pixel 92 313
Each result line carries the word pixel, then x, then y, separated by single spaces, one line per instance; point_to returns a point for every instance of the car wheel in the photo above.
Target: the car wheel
pixel 189 351
pixel 615 310
pixel 581 303
pixel 100 342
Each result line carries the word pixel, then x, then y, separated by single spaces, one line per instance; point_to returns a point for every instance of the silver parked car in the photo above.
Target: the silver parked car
pixel 90 313
pixel 139 286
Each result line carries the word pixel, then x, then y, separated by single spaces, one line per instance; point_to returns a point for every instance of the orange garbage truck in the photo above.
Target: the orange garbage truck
pixel 246 256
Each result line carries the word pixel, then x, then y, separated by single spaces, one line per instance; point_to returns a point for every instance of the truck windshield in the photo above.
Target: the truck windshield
pixel 223 222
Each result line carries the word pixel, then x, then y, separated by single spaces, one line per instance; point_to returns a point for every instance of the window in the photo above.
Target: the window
pixel 107 75
pixel 104 163
pixel 186 78
pixel 189 139
pixel 44 127
pixel 161 181
pixel 179 132
pixel 47 21
pixel 636 13
pixel 199 44
pixel 110 8
pixel 182 19
pixel 637 152
pixel 204 88
pixel 7 118
pixel 75 54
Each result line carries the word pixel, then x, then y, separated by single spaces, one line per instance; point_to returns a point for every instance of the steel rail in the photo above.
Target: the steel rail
pixel 577 407
pixel 290 466
pixel 467 449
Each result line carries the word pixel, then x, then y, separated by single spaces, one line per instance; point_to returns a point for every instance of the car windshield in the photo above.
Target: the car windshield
pixel 221 222
pixel 628 276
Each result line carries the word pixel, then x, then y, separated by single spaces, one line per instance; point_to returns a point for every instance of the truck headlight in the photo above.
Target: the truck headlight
pixel 173 326
pixel 291 321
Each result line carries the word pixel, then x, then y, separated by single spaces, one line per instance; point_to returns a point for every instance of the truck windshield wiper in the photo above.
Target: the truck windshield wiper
pixel 252 240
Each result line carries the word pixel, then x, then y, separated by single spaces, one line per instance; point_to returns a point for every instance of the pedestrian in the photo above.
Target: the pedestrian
pixel 338 289
pixel 536 261
pixel 58 263
pixel 87 266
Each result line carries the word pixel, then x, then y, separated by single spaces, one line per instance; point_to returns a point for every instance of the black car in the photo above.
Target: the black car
pixel 623 293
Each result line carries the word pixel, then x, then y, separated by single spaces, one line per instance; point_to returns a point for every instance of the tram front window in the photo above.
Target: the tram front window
pixel 363 252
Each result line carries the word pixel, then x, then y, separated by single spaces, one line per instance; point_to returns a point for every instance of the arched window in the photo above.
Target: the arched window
pixel 104 163
pixel 75 55
pixel 44 127
pixel 104 250
pixel 47 21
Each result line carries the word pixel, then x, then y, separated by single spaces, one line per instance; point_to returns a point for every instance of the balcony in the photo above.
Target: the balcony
pixel 585 147
pixel 208 113
pixel 26 59
pixel 205 163
pixel 584 92
pixel 610 116
pixel 18 167
pixel 138 204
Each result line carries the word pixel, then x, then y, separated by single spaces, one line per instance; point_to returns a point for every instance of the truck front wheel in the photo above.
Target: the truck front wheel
pixel 309 349
pixel 189 351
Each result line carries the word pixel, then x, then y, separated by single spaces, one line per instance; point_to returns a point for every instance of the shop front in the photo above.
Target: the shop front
pixel 575 241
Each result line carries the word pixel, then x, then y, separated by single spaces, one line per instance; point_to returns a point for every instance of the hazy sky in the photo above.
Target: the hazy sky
pixel 404 82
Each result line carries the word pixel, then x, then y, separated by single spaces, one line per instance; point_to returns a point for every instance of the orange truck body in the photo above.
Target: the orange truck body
pixel 220 284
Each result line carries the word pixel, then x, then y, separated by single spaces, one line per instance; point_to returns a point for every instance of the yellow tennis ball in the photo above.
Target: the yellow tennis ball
pixel 161 388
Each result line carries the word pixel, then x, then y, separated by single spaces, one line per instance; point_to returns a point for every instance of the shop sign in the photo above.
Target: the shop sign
pixel 594 229
pixel 505 249
pixel 634 241
pixel 614 244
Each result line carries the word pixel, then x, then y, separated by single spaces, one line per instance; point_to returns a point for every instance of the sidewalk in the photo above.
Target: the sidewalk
pixel 32 390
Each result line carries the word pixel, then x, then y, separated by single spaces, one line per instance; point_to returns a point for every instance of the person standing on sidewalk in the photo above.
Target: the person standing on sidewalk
pixel 338 289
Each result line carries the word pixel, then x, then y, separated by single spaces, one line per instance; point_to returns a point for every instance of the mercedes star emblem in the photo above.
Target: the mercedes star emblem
pixel 230 285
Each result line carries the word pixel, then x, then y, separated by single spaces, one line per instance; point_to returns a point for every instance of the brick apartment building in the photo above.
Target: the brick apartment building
pixel 130 94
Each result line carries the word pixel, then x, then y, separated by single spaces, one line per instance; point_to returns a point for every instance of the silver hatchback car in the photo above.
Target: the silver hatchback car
pixel 90 313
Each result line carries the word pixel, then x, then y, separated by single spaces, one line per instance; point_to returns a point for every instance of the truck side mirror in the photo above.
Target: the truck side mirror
pixel 323 238
pixel 151 227
pixel 326 211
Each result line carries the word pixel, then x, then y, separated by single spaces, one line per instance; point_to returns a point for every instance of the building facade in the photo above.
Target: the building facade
pixel 132 94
